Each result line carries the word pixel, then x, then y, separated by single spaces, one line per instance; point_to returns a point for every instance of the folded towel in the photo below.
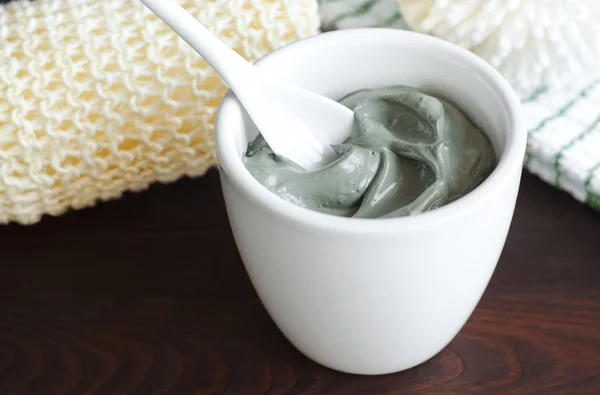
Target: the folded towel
pixel 563 145
pixel 101 97
pixel 564 124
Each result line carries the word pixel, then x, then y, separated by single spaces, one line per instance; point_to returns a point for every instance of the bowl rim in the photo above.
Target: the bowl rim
pixel 230 163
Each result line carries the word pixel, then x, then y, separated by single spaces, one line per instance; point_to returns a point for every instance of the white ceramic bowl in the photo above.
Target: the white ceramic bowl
pixel 374 296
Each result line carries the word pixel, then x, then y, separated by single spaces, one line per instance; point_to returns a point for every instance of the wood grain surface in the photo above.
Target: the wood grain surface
pixel 147 295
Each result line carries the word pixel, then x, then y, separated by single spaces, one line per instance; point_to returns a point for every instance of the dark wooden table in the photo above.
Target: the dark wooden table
pixel 147 295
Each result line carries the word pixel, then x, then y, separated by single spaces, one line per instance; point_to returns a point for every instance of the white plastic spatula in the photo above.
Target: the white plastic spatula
pixel 297 124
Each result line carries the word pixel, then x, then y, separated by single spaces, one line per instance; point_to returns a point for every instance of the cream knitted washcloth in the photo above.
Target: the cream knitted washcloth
pixel 98 97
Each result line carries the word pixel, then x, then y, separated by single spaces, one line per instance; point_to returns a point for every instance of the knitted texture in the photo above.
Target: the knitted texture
pixel 531 42
pixel 102 97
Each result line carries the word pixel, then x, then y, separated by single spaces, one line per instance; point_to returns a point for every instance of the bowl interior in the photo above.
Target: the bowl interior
pixel 335 65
